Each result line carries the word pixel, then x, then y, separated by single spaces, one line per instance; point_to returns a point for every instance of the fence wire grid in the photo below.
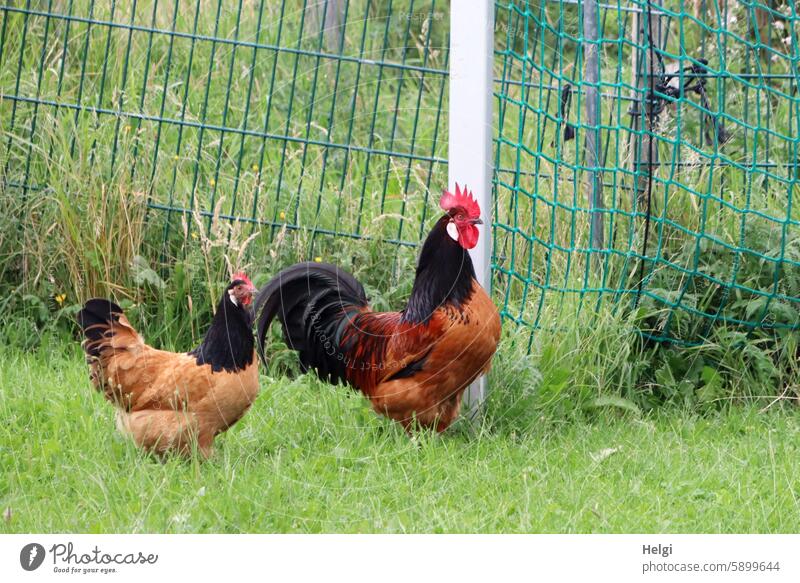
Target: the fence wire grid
pixel 646 153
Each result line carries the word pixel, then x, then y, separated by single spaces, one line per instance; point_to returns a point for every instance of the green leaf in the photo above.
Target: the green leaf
pixel 142 274
pixel 712 384
pixel 614 401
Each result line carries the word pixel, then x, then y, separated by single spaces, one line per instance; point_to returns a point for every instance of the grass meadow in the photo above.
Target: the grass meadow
pixel 149 147
pixel 312 458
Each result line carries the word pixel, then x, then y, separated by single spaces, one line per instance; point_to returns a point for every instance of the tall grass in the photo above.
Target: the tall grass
pixel 163 155
pixel 160 139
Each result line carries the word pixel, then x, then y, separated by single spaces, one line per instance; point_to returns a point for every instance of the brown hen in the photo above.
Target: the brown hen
pixel 174 402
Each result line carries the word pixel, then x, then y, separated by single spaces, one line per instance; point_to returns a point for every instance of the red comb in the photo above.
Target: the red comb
pixel 462 198
pixel 242 276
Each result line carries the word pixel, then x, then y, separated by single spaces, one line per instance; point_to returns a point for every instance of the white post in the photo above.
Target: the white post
pixel 470 129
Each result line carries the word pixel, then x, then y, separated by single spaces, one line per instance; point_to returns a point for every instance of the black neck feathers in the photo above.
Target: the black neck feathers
pixel 444 275
pixel 228 344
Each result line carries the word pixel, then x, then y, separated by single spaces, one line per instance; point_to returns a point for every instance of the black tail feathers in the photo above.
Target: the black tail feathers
pixel 312 302
pixel 95 319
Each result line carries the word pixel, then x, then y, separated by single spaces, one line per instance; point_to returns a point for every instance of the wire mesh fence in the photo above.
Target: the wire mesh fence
pixel 697 123
pixel 320 115
pixel 328 117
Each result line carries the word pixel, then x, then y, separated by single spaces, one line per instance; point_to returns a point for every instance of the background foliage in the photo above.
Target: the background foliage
pixel 151 146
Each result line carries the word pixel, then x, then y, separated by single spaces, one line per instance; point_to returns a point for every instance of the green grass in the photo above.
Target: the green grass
pixel 691 450
pixel 311 458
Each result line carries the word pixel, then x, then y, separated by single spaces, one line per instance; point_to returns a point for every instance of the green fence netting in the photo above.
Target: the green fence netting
pixel 691 194
pixel 324 116
pixel 328 118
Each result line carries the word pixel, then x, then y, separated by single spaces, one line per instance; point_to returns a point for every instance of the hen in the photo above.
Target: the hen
pixel 414 364
pixel 166 401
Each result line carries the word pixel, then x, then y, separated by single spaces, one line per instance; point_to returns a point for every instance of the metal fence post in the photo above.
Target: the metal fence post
pixel 327 16
pixel 646 34
pixel 591 83
pixel 470 128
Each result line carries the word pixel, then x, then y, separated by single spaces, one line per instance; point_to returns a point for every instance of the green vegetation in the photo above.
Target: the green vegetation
pixel 717 241
pixel 312 458
pixel 145 165
pixel 127 186
pixel 82 208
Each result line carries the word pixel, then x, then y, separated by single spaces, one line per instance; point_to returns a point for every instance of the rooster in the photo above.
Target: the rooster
pixel 170 402
pixel 413 365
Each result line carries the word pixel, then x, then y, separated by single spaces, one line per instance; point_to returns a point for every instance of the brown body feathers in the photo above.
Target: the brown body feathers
pixel 415 364
pixel 166 401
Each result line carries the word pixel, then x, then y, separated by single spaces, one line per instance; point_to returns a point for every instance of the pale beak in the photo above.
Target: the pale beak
pixel 252 291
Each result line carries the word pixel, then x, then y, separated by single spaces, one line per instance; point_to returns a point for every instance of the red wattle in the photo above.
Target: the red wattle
pixel 468 236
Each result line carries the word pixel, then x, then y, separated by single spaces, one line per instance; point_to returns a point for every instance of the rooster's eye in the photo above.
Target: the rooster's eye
pixel 460 216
